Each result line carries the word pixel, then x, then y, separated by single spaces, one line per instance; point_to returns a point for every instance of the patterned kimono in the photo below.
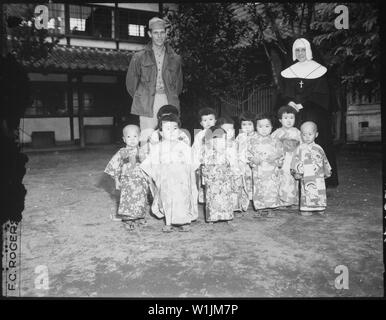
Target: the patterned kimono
pixel 266 174
pixel 289 187
pixel 171 167
pixel 243 143
pixel 218 172
pixel 197 149
pixel 124 165
pixel 311 162
pixel 239 195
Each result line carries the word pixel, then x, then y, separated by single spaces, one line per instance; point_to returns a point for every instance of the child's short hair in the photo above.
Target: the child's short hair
pixel 309 124
pixel 167 109
pixel 131 126
pixel 264 115
pixel 214 132
pixel 248 116
pixel 286 109
pixel 224 120
pixel 206 112
pixel 169 118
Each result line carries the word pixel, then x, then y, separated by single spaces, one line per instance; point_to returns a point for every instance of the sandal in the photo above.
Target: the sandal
pixel 185 228
pixel 114 217
pixel 257 215
pixel 270 214
pixel 167 229
pixel 142 222
pixel 129 225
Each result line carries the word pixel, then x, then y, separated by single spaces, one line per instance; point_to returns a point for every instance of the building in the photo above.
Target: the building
pixel 78 91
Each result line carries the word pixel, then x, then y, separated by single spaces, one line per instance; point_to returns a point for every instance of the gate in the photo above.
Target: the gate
pixel 260 100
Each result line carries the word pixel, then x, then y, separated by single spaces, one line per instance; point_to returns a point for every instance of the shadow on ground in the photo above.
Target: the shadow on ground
pixel 66 227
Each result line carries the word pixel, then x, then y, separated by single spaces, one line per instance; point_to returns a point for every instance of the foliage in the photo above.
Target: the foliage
pixel 25 41
pixel 215 60
pixel 352 54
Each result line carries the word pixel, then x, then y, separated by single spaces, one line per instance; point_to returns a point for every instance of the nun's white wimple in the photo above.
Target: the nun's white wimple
pixel 302 43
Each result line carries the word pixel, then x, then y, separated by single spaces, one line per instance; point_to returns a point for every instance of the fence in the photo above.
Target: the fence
pixel 259 100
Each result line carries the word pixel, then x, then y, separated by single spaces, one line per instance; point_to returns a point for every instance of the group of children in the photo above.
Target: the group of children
pixel 224 172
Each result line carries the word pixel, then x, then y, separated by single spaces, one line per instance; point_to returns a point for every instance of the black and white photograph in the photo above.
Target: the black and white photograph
pixel 191 150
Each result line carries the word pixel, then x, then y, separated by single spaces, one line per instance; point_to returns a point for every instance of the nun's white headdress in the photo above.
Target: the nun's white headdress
pixel 302 43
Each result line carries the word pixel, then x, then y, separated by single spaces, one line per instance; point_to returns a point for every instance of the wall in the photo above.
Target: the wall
pixel 61 127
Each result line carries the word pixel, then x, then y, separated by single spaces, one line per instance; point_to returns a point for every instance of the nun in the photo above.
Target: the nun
pixel 304 86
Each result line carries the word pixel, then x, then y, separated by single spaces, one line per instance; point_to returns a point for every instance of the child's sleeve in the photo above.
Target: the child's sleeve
pixel 196 159
pixel 276 134
pixel 296 167
pixel 151 163
pixel 184 137
pixel 298 135
pixel 280 153
pixel 326 165
pixel 154 137
pixel 143 152
pixel 114 166
pixel 233 160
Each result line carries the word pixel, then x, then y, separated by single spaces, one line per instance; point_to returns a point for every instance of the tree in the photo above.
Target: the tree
pixel 352 54
pixel 216 61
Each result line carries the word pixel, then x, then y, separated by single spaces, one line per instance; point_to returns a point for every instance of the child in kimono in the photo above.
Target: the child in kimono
pixel 169 164
pixel 239 195
pixel 219 165
pixel 247 132
pixel 290 138
pixel 156 136
pixel 130 180
pixel 311 167
pixel 266 157
pixel 207 117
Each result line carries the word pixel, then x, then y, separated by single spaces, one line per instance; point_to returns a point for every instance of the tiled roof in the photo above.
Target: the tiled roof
pixel 63 58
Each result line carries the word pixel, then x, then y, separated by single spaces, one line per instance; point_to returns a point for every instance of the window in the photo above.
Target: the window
pixel 133 24
pixel 101 99
pixel 136 30
pixel 364 124
pixel 95 21
pixel 48 100
pixel 56 21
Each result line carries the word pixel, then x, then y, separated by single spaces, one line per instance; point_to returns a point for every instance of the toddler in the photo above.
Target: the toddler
pixel 290 138
pixel 219 165
pixel 311 167
pixel 247 132
pixel 266 156
pixel 207 120
pixel 239 195
pixel 130 180
pixel 169 164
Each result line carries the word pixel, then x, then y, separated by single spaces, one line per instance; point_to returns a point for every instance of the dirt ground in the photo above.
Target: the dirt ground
pixel 66 227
